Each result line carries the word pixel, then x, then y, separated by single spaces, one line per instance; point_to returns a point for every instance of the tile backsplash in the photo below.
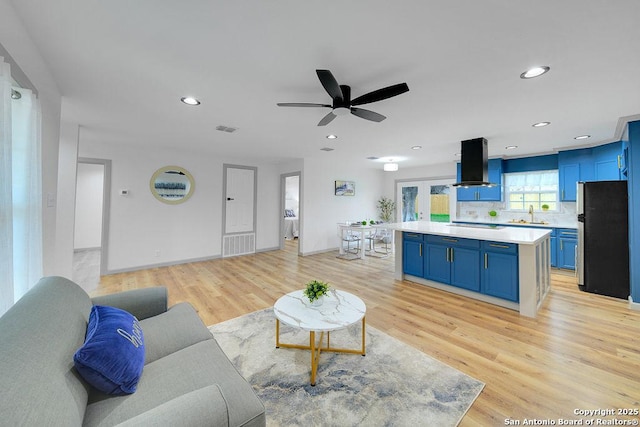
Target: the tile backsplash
pixel 479 212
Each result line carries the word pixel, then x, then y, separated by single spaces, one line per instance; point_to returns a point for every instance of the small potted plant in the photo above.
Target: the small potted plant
pixel 545 207
pixel 493 214
pixel 315 291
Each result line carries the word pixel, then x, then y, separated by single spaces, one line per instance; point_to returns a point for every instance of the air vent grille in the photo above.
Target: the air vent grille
pixel 226 129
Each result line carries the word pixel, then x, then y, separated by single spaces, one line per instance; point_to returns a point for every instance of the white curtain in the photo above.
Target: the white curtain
pixel 20 191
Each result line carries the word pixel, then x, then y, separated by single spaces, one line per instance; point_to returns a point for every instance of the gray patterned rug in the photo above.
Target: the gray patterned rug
pixel 393 385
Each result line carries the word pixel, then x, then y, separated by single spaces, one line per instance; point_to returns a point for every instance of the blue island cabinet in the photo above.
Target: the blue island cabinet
pixel 453 261
pixel 412 249
pixel 500 270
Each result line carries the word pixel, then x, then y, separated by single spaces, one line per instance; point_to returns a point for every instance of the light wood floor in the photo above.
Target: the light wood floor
pixel 581 352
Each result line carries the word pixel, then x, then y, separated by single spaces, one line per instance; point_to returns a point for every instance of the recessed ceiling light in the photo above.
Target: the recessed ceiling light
pixel 189 100
pixel 332 136
pixel 416 147
pixel 326 149
pixel 541 124
pixel 510 147
pixel 534 72
pixel 582 137
pixel 372 158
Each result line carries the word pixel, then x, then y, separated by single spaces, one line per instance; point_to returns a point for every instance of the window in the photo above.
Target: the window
pixel 535 189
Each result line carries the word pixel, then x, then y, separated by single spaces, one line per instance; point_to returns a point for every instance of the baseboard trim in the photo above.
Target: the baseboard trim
pixel 319 252
pixel 161 264
pixel 633 305
pixel 76 250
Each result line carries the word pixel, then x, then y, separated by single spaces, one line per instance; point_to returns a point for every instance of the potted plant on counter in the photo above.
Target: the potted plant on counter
pixel 545 207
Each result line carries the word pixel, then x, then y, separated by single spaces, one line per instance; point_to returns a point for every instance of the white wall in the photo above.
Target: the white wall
pixel 322 210
pixel 140 225
pixel 17 42
pixel 88 217
pixel 442 170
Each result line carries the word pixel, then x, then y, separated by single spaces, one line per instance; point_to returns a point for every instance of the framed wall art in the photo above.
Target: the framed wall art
pixel 345 188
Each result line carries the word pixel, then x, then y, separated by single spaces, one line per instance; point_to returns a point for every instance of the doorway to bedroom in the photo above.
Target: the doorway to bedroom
pixel 291 211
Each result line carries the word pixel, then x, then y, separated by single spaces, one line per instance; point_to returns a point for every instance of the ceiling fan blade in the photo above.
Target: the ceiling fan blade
pixel 366 114
pixel 330 84
pixel 301 104
pixel 380 94
pixel 327 119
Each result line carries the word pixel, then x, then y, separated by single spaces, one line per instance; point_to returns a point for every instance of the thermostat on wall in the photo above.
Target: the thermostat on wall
pixel 124 192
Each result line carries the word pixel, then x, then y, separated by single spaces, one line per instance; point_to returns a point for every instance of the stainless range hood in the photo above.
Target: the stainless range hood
pixel 474 164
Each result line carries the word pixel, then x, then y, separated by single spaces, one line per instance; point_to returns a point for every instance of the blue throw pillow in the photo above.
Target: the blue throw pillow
pixel 112 356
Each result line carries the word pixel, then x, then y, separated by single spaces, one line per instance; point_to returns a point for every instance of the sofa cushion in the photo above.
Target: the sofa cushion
pixel 174 330
pixel 202 407
pixel 38 336
pixel 179 373
pixel 112 357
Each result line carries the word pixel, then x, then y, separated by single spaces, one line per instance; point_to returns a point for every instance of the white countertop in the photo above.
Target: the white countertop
pixel 521 224
pixel 503 233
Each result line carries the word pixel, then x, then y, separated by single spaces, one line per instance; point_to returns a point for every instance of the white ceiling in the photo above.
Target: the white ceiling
pixel 122 67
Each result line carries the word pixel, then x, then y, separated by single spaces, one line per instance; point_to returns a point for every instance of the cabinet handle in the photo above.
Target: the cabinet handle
pixel 499 246
pixel 446 239
pixel 447 256
pixel 563 194
pixel 412 235
pixel 451 249
pixel 619 164
pixel 560 244
pixel 486 260
pixel 420 249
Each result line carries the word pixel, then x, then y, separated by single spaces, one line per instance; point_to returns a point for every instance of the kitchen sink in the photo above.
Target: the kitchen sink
pixel 522 221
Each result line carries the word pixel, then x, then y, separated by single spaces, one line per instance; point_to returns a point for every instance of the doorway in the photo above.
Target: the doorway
pixel 91 221
pixel 426 200
pixel 290 211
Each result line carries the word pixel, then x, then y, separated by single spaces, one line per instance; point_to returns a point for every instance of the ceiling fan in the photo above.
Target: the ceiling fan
pixel 342 102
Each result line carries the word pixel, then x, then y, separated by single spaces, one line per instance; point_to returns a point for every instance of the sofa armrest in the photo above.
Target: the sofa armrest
pixel 205 406
pixel 142 303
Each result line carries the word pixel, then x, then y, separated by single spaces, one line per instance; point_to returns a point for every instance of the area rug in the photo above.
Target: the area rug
pixel 393 385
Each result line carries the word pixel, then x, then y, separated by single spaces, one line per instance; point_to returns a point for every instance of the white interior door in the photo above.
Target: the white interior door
pixel 239 200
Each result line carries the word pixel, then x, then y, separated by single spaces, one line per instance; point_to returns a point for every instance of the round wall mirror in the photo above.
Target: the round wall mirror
pixel 172 185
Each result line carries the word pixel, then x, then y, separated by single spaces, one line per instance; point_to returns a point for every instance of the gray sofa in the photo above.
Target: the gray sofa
pixel 186 380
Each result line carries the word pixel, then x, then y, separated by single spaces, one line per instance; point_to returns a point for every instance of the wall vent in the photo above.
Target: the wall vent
pixel 226 129
pixel 238 244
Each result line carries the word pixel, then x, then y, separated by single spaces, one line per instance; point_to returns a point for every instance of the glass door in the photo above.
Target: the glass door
pixel 433 200
pixel 410 196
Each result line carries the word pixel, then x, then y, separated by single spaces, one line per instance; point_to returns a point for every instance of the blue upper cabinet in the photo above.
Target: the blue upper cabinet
pixel 484 194
pixel 574 166
pixel 608 161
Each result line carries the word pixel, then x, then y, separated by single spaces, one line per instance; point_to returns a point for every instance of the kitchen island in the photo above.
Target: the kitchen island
pixel 505 266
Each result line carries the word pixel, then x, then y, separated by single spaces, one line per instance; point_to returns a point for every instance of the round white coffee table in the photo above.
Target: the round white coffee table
pixel 339 310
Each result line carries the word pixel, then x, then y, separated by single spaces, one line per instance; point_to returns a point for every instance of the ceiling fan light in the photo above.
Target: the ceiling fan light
pixel 341 111
pixel 390 167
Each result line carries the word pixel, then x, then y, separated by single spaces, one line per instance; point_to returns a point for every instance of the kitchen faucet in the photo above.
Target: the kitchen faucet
pixel 531 212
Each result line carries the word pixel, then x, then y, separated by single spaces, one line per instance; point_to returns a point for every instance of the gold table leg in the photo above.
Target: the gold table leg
pixel 317 349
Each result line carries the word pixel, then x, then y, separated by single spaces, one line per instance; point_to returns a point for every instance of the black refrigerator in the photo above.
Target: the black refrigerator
pixel 603 238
